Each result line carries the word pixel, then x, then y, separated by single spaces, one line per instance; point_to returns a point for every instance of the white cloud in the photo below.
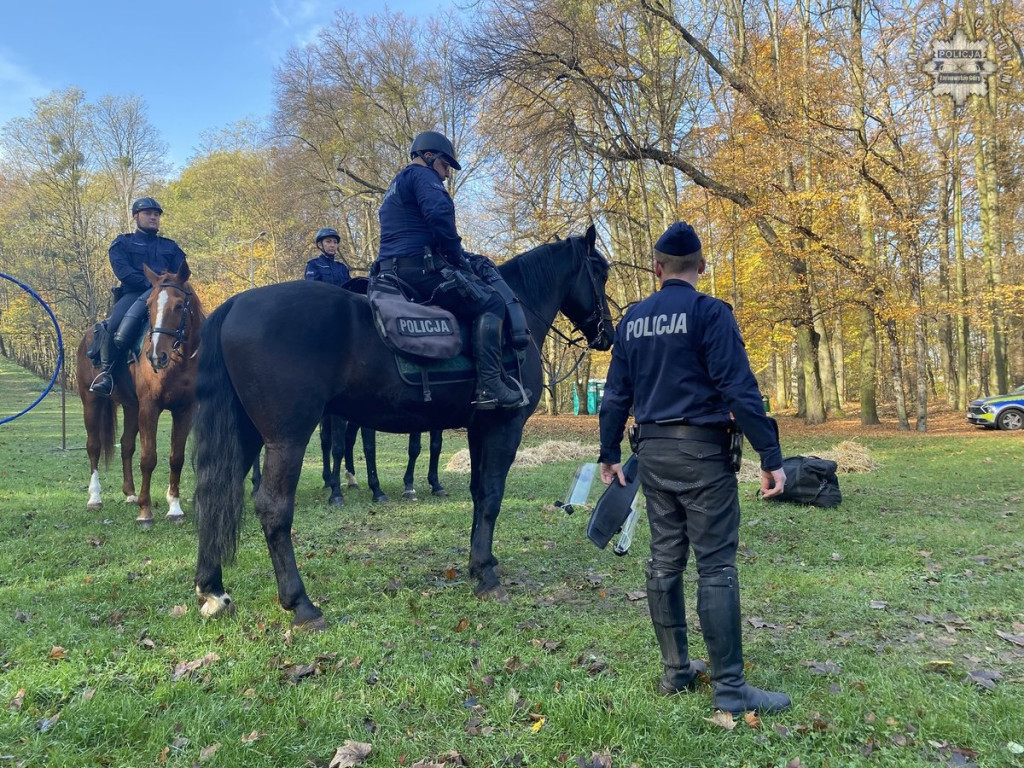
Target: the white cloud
pixel 18 86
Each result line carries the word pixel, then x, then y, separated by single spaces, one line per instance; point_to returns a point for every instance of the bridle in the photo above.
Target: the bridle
pixel 596 317
pixel 180 334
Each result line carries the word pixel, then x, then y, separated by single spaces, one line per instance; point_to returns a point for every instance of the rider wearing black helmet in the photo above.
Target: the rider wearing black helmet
pixel 327 268
pixel 420 245
pixel 128 253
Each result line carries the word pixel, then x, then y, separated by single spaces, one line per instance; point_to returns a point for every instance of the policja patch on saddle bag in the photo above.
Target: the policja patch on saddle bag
pixel 417 331
pixel 810 480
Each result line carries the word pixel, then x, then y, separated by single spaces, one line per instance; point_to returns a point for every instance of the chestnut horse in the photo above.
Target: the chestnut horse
pixel 266 376
pixel 162 379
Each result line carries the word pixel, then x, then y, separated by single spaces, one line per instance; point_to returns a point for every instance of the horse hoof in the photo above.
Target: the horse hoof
pixel 381 499
pixel 177 519
pixel 337 501
pixel 132 500
pixel 319 624
pixel 495 594
pixel 410 495
pixel 441 493
pixel 212 606
pixel 93 505
pixel 350 479
pixel 145 523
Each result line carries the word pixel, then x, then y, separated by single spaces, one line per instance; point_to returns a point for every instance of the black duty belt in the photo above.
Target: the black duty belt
pixel 684 432
pixel 400 262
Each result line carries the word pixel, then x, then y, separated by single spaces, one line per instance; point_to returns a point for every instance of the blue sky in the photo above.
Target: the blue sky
pixel 200 65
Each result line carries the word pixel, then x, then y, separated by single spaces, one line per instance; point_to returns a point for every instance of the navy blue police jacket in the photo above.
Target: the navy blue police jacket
pixel 326 270
pixel 418 213
pixel 129 252
pixel 679 357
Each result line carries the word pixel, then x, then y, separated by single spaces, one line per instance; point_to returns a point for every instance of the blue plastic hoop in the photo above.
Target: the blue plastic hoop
pixel 60 347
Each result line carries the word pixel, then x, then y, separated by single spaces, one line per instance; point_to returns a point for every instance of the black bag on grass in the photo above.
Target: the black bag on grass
pixel 810 480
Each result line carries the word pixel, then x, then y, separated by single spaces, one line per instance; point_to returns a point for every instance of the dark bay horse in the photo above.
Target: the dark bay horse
pixel 264 378
pixel 332 474
pixel 163 379
pixel 337 445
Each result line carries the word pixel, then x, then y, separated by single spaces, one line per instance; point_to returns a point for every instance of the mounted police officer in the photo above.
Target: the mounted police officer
pixel 680 362
pixel 128 253
pixel 421 247
pixel 327 267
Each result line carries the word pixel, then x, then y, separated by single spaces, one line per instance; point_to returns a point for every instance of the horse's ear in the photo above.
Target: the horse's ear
pixel 184 273
pixel 152 276
pixel 590 237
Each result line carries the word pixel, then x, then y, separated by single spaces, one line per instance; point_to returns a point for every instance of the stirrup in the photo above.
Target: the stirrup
pixel 102 385
pixel 487 399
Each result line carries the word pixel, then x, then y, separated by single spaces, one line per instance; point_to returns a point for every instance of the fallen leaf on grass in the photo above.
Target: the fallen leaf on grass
pixel 57 653
pixel 178 611
pixel 752 720
pixel 758 623
pixel 349 754
pixel 722 720
pixel 1015 748
pixel 634 596
pixel 546 645
pixel 1017 640
pixel 47 723
pixel 820 668
pixel 984 677
pixel 297 672
pixel 17 701
pixel 538 724
pixel 463 625
pixel 207 752
pixel 879 605
pixel 597 760
pixel 248 739
pixel 186 668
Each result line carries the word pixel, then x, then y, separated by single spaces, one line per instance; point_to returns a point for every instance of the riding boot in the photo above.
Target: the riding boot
pixel 491 390
pixel 103 384
pixel 131 324
pixel 718 604
pixel 668 615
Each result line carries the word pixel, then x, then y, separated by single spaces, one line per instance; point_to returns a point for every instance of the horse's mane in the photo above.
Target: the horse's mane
pixel 530 269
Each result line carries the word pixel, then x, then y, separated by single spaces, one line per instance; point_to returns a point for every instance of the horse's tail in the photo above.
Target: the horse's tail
pixel 106 420
pixel 222 428
pixel 100 413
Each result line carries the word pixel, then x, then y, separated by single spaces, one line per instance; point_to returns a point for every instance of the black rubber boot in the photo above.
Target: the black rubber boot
pixel 491 390
pixel 668 615
pixel 718 604
pixel 103 384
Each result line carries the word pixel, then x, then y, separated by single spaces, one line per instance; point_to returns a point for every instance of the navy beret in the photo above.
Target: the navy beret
pixel 678 240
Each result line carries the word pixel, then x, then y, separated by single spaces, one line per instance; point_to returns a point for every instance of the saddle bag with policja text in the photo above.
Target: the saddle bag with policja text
pixel 810 480
pixel 417 331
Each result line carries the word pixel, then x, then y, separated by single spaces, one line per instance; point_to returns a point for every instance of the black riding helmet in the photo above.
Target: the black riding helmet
pixel 146 204
pixel 432 141
pixel 326 232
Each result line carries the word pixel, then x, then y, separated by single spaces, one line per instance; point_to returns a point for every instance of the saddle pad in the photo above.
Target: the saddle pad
pixel 454 370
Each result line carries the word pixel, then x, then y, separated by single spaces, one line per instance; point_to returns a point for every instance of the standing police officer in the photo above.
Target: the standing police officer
pixel 326 267
pixel 679 361
pixel 420 245
pixel 127 255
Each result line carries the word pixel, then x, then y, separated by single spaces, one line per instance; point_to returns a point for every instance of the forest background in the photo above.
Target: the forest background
pixel 867 232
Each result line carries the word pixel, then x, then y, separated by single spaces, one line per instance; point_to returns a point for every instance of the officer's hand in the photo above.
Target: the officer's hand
pixel 612 471
pixel 773 482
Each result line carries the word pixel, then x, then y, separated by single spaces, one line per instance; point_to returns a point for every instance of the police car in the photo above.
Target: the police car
pixel 1003 411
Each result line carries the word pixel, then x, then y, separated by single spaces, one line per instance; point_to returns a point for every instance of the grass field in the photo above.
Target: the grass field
pixel 895 622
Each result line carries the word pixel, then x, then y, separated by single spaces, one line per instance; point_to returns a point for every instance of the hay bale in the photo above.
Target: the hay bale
pixel 849 455
pixel 548 452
